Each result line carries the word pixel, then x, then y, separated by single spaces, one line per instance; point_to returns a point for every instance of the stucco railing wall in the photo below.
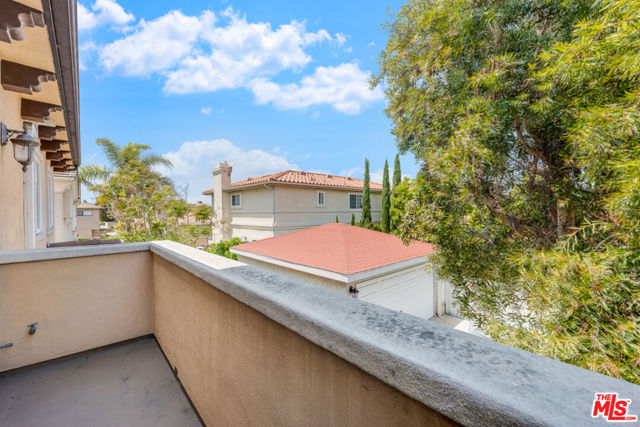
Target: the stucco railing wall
pixel 240 367
pixel 80 301
pixel 253 347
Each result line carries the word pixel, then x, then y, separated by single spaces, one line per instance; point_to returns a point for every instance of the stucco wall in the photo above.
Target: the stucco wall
pixel 13 209
pixel 242 368
pixel 86 224
pixel 79 304
pixel 253 220
pixel 11 190
pixel 297 207
pixel 249 346
pixel 323 282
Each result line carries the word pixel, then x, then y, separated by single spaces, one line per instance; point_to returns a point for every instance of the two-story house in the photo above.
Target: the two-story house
pixel 275 204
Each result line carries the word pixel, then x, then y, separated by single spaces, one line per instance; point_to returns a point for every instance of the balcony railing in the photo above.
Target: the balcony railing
pixel 252 347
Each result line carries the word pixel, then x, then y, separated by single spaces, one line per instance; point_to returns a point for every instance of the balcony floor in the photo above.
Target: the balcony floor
pixel 123 385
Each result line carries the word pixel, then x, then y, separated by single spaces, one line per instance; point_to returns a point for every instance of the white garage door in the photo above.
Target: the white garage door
pixel 409 291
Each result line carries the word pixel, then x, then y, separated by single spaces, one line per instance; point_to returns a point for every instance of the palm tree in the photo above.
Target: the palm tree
pixel 120 157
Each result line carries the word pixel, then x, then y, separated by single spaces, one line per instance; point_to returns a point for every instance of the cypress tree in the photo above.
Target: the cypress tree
pixel 386 199
pixel 353 219
pixel 337 218
pixel 397 174
pixel 366 197
pixel 397 179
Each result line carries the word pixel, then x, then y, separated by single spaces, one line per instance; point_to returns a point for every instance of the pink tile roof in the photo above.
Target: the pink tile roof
pixel 337 247
pixel 304 178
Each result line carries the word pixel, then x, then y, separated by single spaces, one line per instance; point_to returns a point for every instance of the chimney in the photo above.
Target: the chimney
pixel 221 202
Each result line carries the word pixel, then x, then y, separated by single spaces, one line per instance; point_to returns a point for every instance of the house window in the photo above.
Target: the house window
pixel 50 204
pixel 37 195
pixel 235 201
pixel 88 212
pixel 320 198
pixel 355 201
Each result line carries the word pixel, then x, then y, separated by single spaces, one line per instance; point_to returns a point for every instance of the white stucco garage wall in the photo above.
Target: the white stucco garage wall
pixel 410 290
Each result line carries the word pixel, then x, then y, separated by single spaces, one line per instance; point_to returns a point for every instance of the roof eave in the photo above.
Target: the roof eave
pixel 356 277
pixel 61 21
pixel 294 184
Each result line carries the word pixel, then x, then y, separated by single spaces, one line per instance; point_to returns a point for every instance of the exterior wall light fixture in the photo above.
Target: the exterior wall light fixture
pixel 23 144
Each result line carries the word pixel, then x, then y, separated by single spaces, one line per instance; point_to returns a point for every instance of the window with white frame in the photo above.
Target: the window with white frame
pixel 50 204
pixel 85 212
pixel 320 198
pixel 236 200
pixel 355 201
pixel 37 195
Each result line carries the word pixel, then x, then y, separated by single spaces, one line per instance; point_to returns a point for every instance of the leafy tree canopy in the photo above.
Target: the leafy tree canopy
pixel 524 115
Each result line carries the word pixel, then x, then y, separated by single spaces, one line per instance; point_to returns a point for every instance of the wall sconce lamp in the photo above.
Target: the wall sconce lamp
pixel 23 144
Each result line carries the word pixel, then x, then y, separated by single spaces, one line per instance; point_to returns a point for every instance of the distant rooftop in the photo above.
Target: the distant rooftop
pixel 336 247
pixel 304 178
pixel 88 206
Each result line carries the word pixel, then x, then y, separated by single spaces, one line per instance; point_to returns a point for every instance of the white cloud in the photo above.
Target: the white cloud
pixel 86 51
pixel 156 45
pixel 103 12
pixel 340 38
pixel 206 110
pixel 376 176
pixel 206 53
pixel 240 51
pixel 197 55
pixel 344 87
pixel 355 172
pixel 358 172
pixel 193 162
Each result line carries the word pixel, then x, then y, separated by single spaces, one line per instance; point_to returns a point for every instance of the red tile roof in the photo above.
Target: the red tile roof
pixel 337 247
pixel 304 178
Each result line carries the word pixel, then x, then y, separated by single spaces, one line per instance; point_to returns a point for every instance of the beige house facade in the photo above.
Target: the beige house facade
pixel 87 219
pixel 38 103
pixel 276 204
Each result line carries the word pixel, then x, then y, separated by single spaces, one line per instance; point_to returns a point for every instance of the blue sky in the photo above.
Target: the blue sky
pixel 267 85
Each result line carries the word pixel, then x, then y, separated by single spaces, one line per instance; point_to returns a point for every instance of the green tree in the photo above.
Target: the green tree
pixel 136 196
pixel 118 158
pixel 385 222
pixel 397 179
pixel 337 219
pixel 366 197
pixel 177 209
pixel 397 173
pixel 353 219
pixel 223 248
pixel 203 213
pixel 524 116
pixel 401 197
